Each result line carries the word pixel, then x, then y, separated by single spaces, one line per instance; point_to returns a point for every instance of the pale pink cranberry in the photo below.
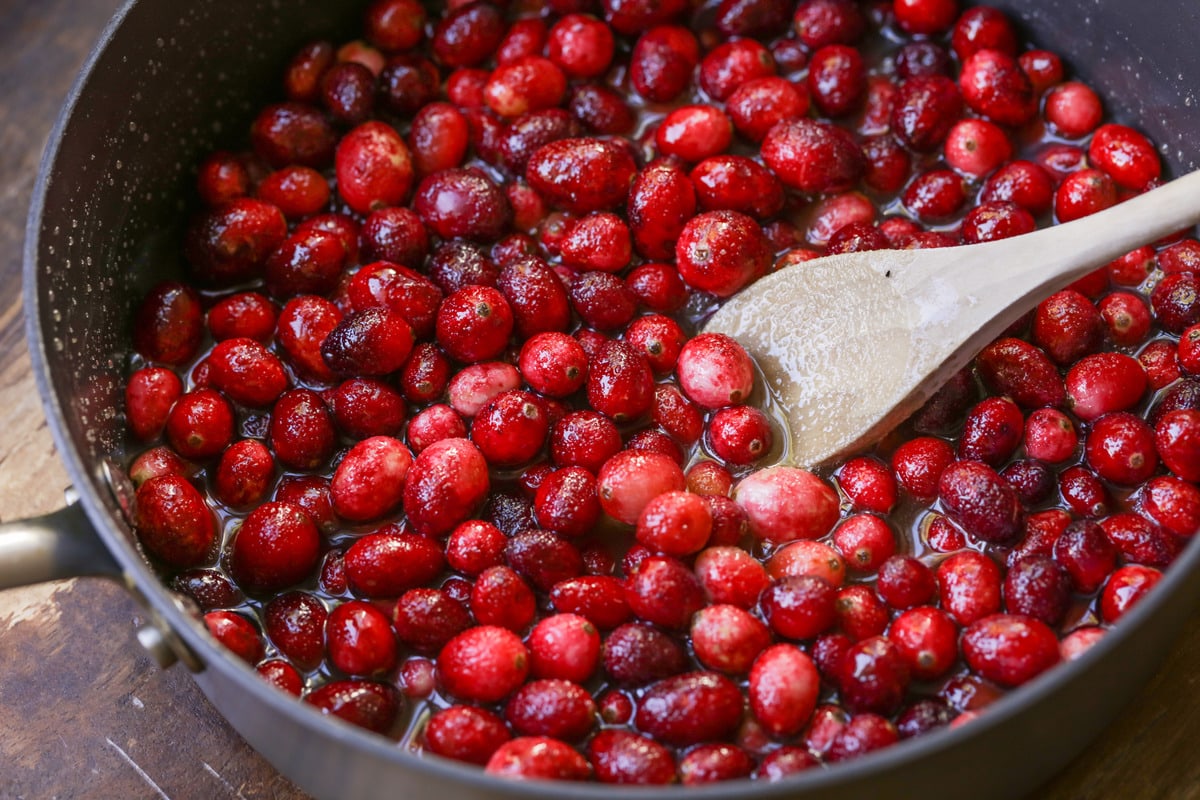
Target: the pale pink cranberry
pixel 474 386
pixel 715 371
pixel 629 480
pixel 786 503
pixel 806 557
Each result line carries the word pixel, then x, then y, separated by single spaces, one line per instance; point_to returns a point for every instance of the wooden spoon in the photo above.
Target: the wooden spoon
pixel 853 344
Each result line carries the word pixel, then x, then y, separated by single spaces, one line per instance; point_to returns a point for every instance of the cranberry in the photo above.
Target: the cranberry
pixel 690 708
pixel 1084 192
pixel 564 647
pixel 539 757
pixel 979 500
pixel 244 474
pixel 1010 649
pixel 551 707
pixel 813 157
pixel 927 640
pixel 926 16
pixel 1104 382
pixel 200 424
pixel 447 482
pixel 925 109
pixel 465 733
pixel 173 522
pixel 246 372
pixel 619 756
pixel 236 633
pixel 1126 155
pixel 759 105
pixel 733 63
pixel 969 584
pixel 661 65
pixel 864 733
pixel 582 175
pixel 1176 301
pixel 662 200
pixel 1173 504
pixel 785 503
pixel 1125 588
pixel 1022 182
pixel 367 704
pixel 276 546
pixel 873 676
pixel 301 432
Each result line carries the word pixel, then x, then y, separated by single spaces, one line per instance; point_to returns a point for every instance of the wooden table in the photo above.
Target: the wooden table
pixel 85 713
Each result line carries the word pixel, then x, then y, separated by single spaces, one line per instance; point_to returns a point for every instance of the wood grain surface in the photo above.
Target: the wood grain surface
pixel 84 713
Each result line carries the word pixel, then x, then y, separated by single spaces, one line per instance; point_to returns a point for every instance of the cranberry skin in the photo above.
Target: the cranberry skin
pixel 292 133
pixel 385 564
pixel 510 429
pixel 623 757
pixel 786 503
pixel 735 183
pixel 1021 371
pixel 222 177
pixel 1067 326
pixel 360 640
pixel 484 664
pixel 581 45
pixel 502 598
pixel 693 133
pixel 1009 649
pixel 370 480
pixel 1173 504
pixel 926 640
pixel 1104 382
pixel 236 633
pixel 584 439
pixel 395 235
pixel 149 395
pixel 530 83
pixel 663 591
pixel 1124 589
pixel 276 546
pixel 799 606
pixel 600 599
pixel 374 341
pixel 374 167
pixel 983 28
pixel 553 364
pixel 602 301
pixel 715 371
pixel 728 639
pixel 1120 448
pixel 691 708
pixel 620 383
pixel 208 588
pixel 629 480
pixel 1037 587
pixel 447 482
pixel 873 676
pixel 231 244
pixel 552 707
pixel 168 324
pixel 304 324
pixel 837 80
pixel 935 196
pixel 281 675
pixel 1086 554
pixel 993 431
pixel 969 585
pixel 740 435
pixel 365 407
pixel 721 251
pixel 994 85
pixel 474 324
pixel 295 624
pixel 1177 439
pixel 925 110
pixel 468 35
pixel 200 424
pixel 733 63
pixel 662 200
pixel 566 502
pixel 636 654
pixel 1025 183
pixel 369 705
pixel 564 647
pixel 1084 192
pixel 759 105
pixel 463 203
pixel 662 62
pixel 981 501
pixel 919 464
pixel 582 175
pixel 246 314
pixel 1176 301
pixel 173 522
pixel 244 473
pixel 537 297
pixel 246 372
pixel 301 432
pixel 1073 109
pixel 538 758
pixel 813 157
pixel 465 733
pixel 1126 155
pixel 599 241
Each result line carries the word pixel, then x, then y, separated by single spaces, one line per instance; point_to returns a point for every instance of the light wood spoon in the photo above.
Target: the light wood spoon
pixel 853 344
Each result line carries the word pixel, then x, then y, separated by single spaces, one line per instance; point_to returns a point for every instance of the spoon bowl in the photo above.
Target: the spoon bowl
pixel 852 344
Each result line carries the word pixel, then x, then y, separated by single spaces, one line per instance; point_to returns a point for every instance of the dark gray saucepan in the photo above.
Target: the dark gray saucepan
pixel 169 81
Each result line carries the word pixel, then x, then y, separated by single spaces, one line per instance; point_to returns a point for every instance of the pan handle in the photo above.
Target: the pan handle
pixel 61 544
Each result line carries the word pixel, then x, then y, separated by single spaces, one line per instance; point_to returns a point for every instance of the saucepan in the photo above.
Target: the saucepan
pixel 170 81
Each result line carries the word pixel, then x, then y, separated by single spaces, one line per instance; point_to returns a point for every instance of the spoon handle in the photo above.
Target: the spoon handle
pixel 1003 279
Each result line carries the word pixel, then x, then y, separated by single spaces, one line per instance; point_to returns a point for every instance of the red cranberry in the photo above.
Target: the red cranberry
pixel 295 624
pixel 969 585
pixel 465 733
pixel 623 757
pixel 173 522
pixel 276 546
pixel 813 157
